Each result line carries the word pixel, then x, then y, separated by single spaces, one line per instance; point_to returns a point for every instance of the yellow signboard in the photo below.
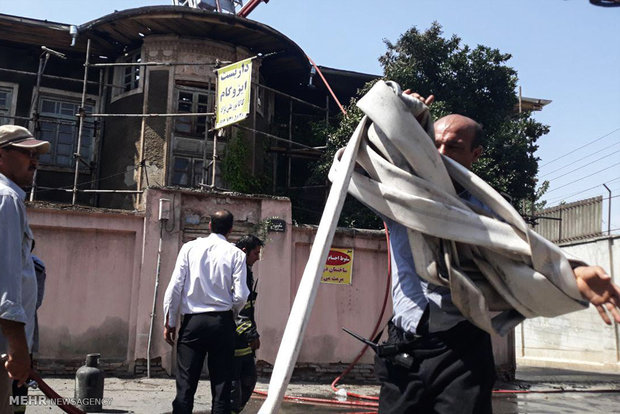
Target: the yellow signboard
pixel 233 93
pixel 338 267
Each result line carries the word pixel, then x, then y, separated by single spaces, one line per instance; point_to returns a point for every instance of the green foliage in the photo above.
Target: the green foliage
pixel 508 162
pixel 235 167
pixel 473 82
pixel 530 207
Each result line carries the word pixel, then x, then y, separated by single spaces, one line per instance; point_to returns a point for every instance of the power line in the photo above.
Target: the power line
pixel 582 191
pixel 583 178
pixel 583 146
pixel 582 159
pixel 580 167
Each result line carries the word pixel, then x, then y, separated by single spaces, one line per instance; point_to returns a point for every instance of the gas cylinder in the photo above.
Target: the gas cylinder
pixel 89 385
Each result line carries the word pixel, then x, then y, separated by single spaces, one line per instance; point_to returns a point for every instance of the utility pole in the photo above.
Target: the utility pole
pixel 608 210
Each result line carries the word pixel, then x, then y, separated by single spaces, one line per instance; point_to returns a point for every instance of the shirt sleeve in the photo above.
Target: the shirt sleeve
pixel 11 239
pixel 172 298
pixel 240 284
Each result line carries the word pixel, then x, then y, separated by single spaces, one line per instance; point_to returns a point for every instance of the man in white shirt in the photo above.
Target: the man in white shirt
pixel 208 285
pixel 19 155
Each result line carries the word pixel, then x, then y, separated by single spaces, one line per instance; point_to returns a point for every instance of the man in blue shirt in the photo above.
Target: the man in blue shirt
pixel 19 155
pixel 446 363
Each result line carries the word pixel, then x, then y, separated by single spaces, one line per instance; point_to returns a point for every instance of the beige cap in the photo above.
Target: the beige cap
pixel 18 136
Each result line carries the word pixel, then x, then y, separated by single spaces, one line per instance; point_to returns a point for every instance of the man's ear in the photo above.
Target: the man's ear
pixel 477 153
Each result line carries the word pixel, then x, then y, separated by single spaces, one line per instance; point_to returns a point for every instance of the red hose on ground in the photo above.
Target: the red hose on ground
pixel 374 331
pixel 325 401
pixel 53 395
pixel 554 391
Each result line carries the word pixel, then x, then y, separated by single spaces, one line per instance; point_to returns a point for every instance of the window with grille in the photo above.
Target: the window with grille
pixel 127 78
pixel 7 102
pixel 194 100
pixel 59 125
pixel 187 171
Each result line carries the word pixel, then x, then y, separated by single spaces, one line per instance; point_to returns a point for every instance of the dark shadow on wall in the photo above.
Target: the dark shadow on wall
pixel 110 339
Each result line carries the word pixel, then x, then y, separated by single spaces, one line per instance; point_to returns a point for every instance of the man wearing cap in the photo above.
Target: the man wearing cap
pixel 19 155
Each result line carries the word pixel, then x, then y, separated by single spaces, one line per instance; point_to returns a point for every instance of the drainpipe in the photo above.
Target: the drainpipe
pixel 164 216
pixel 34 105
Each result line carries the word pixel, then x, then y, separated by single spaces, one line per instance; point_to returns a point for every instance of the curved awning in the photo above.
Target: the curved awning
pixel 116 32
pixel 111 34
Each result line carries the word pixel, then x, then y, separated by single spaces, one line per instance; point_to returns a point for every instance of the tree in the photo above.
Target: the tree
pixel 476 83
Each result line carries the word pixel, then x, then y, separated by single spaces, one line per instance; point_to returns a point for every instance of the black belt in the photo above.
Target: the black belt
pixel 214 313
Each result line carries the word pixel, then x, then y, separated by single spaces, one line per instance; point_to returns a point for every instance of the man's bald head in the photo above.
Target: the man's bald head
pixel 460 138
pixel 221 222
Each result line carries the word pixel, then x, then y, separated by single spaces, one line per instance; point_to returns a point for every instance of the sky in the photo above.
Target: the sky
pixel 566 51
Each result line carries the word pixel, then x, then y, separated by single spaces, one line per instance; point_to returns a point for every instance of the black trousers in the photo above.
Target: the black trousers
pixel 243 382
pixel 452 372
pixel 211 334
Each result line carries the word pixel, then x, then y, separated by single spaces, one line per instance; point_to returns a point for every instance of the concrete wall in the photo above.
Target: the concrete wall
pixel 91 272
pixel 102 272
pixel 356 306
pixel 578 340
pixel 191 211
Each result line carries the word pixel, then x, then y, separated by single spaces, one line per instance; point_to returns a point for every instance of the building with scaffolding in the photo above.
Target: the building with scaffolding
pixel 127 102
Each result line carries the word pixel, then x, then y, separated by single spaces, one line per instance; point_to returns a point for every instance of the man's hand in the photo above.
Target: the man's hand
pixel 18 366
pixel 426 101
pixel 596 286
pixel 255 344
pixel 17 363
pixel 170 334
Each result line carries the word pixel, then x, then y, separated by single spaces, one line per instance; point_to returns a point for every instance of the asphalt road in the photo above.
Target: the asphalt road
pixel 538 390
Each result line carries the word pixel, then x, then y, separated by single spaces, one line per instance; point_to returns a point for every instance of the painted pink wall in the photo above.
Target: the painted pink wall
pixel 102 268
pixel 356 307
pixel 274 264
pixel 91 270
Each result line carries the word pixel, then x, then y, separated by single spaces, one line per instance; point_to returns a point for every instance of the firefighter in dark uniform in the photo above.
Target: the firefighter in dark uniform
pixel 247 339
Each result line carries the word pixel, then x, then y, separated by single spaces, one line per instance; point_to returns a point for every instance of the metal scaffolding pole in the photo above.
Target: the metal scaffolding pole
pixel 34 104
pixel 214 159
pixel 158 64
pixel 82 115
pixel 290 137
pixel 205 169
pixel 97 139
pixel 81 126
pixel 183 114
pixel 70 190
pixel 142 164
pixel 64 78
